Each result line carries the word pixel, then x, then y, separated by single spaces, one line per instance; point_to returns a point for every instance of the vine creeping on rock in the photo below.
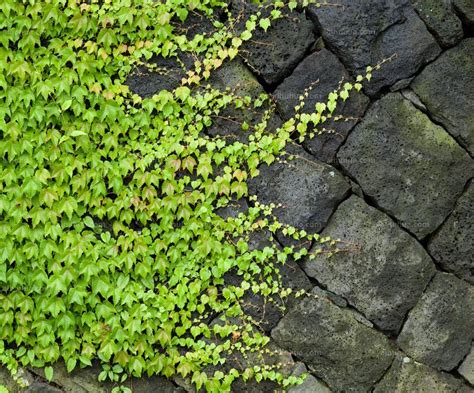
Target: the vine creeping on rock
pixel 111 245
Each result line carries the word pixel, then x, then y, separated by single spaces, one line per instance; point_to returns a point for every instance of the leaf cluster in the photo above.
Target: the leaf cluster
pixel 112 247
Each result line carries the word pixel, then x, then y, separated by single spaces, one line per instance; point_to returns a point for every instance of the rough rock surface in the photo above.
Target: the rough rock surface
pixel 453 245
pixel 42 387
pixel 365 32
pixel 309 190
pixel 466 369
pixel 167 76
pixel 275 53
pixel 325 68
pixel 412 168
pixel 23 377
pixel 237 77
pixel 347 355
pixel 406 376
pixel 85 381
pixel 439 329
pixel 310 384
pixel 441 20
pixel 446 87
pixel 385 277
pixel 465 8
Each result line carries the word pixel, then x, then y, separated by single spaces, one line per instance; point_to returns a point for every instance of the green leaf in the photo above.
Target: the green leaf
pixel 246 35
pixel 265 23
pixel 71 364
pixel 88 221
pixel 320 107
pixel 78 133
pixel 49 373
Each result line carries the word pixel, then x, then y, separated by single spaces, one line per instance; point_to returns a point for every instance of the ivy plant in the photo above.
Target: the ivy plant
pixel 112 248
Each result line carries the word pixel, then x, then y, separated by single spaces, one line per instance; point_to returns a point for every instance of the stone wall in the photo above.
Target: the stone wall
pixel 396 314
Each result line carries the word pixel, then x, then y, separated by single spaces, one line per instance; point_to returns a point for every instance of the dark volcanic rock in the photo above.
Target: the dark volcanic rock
pixel 266 312
pixel 85 381
pixel 275 53
pixel 406 376
pixel 170 71
pixel 167 76
pixel 347 355
pixel 446 87
pixel 386 277
pixel 411 167
pixel 365 32
pixel 465 9
pixel 326 68
pixel 441 20
pixel 234 75
pixel 439 329
pixel 41 387
pixel 310 384
pixel 309 190
pixel 23 377
pixel 453 245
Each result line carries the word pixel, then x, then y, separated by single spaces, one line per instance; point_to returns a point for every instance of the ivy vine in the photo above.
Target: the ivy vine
pixel 112 247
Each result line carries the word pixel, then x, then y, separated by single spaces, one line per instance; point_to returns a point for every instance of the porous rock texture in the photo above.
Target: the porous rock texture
pixel 346 354
pixel 272 55
pixel 310 384
pixel 267 312
pixel 439 329
pixel 307 189
pixel 466 369
pixel 366 32
pixel 162 74
pixel 446 87
pixel 441 20
pixel 393 311
pixel 411 167
pixel 234 75
pixel 465 9
pixel 452 245
pixel 320 73
pixel 384 276
pixel 407 375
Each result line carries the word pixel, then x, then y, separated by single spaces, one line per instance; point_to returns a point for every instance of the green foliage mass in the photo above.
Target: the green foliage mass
pixel 111 247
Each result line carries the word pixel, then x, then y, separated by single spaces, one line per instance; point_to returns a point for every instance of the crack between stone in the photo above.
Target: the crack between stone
pixel 387 370
pixel 407 315
pixel 430 236
pixel 468 30
pixel 436 122
pixel 270 88
pixel 297 359
pixel 434 33
pixel 44 380
pixel 423 242
pixel 455 369
pixel 371 201
pixel 352 308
